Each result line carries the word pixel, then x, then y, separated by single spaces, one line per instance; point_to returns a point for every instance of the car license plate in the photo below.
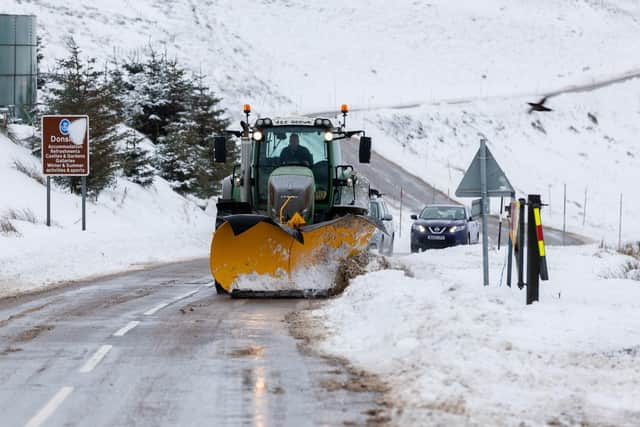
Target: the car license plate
pixel 432 237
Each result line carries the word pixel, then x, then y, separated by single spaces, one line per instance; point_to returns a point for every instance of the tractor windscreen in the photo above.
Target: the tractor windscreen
pixel 293 146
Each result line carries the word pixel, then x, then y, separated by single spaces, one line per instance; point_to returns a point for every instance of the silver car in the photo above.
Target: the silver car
pixel 379 212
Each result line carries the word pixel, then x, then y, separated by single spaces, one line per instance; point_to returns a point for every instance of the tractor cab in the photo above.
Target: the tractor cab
pixel 294 165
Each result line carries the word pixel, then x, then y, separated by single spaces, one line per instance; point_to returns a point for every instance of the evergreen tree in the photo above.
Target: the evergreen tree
pixel 136 162
pixel 208 120
pixel 179 156
pixel 187 151
pixel 157 96
pixel 78 88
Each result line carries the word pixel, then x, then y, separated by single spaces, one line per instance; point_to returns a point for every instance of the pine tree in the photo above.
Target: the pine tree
pixel 157 96
pixel 208 120
pixel 136 162
pixel 187 150
pixel 78 88
pixel 179 156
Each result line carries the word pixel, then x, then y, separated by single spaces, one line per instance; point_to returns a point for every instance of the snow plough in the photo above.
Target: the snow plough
pixel 291 211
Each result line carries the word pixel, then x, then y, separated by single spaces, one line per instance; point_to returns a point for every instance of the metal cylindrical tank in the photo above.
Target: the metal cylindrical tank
pixel 18 63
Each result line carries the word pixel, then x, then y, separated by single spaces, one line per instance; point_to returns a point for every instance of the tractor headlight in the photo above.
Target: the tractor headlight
pixel 420 228
pixel 349 182
pixel 328 136
pixel 237 181
pixel 257 135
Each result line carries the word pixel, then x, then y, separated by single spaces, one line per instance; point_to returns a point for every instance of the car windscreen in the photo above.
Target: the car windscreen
pixel 451 213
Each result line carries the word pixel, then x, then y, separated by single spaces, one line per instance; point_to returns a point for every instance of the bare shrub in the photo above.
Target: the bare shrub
pixel 631 249
pixel 7 228
pixel 26 215
pixel 30 171
pixel 629 269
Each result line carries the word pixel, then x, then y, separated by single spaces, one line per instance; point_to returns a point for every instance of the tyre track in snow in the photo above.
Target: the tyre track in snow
pixel 563 90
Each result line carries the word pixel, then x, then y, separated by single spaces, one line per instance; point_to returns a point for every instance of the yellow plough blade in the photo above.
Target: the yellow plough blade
pixel 253 245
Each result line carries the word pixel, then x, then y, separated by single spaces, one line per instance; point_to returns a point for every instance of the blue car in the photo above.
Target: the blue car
pixel 440 226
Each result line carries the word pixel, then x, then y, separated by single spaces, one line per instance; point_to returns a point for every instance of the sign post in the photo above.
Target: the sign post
pixel 65 152
pixel 484 178
pixel 485 202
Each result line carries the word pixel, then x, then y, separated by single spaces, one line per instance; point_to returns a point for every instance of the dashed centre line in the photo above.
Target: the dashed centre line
pixel 156 308
pixel 129 326
pixel 95 359
pixel 165 304
pixel 51 406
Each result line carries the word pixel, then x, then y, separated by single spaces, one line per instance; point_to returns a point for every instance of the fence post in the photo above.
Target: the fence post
pixel 564 218
pixel 584 211
pixel 620 225
pixel 500 222
pixel 400 231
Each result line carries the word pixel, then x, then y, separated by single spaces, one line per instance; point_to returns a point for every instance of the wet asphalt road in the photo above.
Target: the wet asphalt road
pixel 184 356
pixel 388 178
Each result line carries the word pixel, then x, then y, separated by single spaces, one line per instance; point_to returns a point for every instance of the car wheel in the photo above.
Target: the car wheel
pixel 414 248
pixel 390 248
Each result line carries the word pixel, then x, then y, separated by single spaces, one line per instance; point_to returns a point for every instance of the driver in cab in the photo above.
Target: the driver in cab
pixel 294 153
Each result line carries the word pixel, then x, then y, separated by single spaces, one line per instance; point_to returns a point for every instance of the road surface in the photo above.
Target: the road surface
pixel 160 348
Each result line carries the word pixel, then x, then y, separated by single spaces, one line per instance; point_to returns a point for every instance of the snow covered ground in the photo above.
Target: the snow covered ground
pixel 128 227
pixel 456 353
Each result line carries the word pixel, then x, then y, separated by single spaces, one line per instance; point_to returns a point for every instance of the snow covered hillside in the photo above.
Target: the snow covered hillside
pixel 589 142
pixel 128 227
pixel 310 56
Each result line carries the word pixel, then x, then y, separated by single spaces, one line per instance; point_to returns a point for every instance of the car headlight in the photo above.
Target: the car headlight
pixel 456 228
pixel 420 228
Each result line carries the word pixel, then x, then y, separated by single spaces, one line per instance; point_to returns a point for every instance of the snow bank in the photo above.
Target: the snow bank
pixel 457 353
pixel 128 227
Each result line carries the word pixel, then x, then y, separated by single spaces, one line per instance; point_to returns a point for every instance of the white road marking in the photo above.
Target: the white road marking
pixel 50 407
pixel 156 308
pixel 165 304
pixel 95 359
pixel 129 326
pixel 187 295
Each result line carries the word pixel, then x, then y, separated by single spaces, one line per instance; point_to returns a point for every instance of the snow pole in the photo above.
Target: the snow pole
pixel 510 210
pixel 536 256
pixel 520 234
pixel 533 265
pixel 544 273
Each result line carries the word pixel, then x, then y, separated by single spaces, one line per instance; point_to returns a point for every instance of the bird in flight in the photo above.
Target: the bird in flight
pixel 538 106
